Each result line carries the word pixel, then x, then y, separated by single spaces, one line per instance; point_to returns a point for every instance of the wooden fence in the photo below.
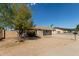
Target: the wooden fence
pixel 2 34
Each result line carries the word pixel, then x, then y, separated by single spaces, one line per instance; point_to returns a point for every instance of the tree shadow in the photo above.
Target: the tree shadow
pixel 32 38
pixel 73 39
pixel 2 39
pixel 11 38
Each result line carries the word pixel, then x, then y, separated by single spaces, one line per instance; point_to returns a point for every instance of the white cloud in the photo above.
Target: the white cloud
pixel 32 4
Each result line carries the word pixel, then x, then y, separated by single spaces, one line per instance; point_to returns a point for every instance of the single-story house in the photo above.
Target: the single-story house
pixel 63 30
pixel 42 31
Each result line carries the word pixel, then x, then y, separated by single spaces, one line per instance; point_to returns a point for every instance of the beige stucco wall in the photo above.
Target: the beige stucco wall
pixel 58 31
pixel 40 33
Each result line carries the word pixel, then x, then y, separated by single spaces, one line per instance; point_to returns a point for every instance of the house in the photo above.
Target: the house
pixel 42 31
pixel 63 30
pixel 45 31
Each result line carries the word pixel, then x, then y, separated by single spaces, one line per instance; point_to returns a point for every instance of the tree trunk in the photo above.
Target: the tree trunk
pixel 20 39
pixel 4 33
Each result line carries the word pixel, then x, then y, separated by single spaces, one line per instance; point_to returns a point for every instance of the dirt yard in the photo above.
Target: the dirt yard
pixel 57 45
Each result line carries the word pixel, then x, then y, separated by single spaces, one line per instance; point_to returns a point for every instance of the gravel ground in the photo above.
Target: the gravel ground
pixel 57 45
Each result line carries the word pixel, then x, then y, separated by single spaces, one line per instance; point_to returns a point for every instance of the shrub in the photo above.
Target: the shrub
pixel 1 27
pixel 31 34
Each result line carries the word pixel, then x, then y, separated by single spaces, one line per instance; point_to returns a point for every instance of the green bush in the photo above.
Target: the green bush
pixel 31 33
pixel 1 27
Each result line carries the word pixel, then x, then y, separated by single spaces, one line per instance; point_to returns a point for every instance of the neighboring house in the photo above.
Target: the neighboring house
pixel 63 30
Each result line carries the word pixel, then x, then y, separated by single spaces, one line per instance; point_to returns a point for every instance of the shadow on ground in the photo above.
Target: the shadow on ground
pixel 11 38
pixel 32 38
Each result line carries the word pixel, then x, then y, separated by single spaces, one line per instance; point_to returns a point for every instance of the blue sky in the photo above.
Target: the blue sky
pixel 60 15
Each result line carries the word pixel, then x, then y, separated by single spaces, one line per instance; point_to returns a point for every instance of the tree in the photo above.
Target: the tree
pixel 17 16
pixel 51 25
pixel 76 31
pixel 22 21
pixel 5 13
pixel 53 28
pixel 77 27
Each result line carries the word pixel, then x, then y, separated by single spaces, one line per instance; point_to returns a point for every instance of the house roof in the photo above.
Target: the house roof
pixel 41 28
pixel 49 28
